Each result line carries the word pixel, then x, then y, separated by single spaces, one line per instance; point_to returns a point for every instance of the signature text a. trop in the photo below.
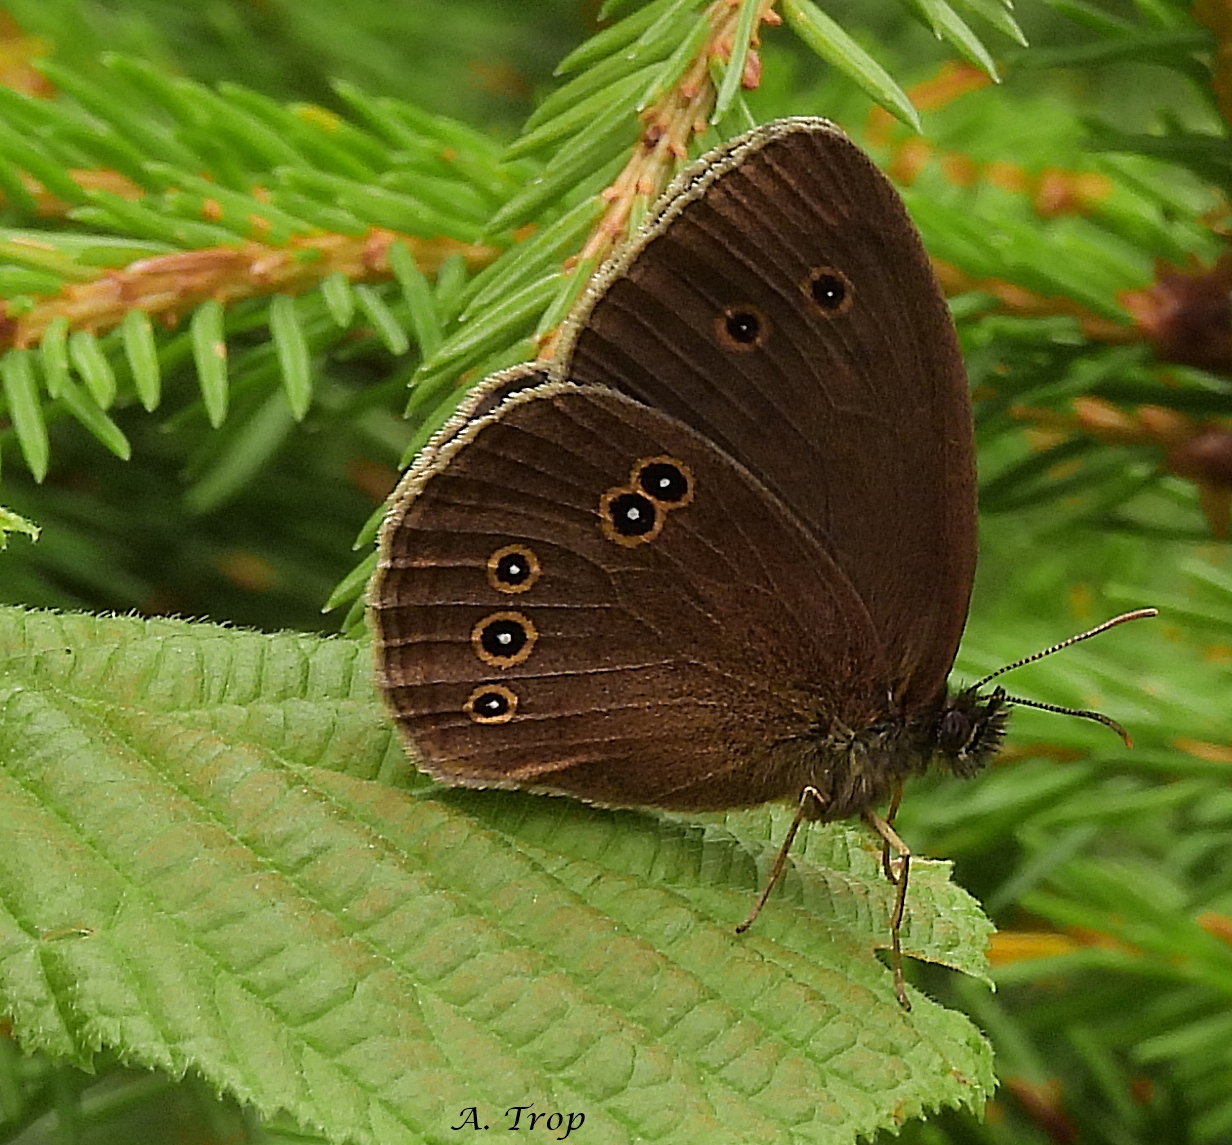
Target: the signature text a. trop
pixel 521 1117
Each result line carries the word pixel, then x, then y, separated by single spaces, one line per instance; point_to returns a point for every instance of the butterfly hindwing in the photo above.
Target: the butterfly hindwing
pixel 580 594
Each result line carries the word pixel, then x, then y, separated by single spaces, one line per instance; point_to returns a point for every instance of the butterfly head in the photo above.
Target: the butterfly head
pixel 970 728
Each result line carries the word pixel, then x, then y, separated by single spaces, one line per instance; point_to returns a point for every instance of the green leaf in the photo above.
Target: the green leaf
pixel 18 280
pixel 93 367
pixel 11 522
pixel 199 869
pixel 113 213
pixel 130 123
pixel 243 215
pixel 949 26
pixel 603 75
pixel 608 136
pixel 387 327
pixel 209 349
pixel 670 71
pixel 294 359
pixel 451 280
pixel 996 13
pixel 139 347
pixel 435 396
pixel 578 117
pixel 571 287
pixel 312 144
pixel 530 258
pixel 248 449
pixel 610 8
pixel 626 31
pixel 84 408
pixel 449 196
pixel 366 537
pixel 353 584
pixel 24 155
pixel 733 71
pixel 324 216
pixel 16 193
pixel 1091 16
pixel 339 298
pixel 53 349
pixel 26 410
pixel 838 49
pixel 398 210
pixel 258 143
pixel 1165 47
pixel 501 322
pixel 417 294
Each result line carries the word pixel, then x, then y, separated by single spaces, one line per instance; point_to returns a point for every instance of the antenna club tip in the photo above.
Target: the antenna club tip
pixel 1116 727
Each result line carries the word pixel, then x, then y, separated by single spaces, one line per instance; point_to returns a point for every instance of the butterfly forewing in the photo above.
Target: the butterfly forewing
pixel 781 304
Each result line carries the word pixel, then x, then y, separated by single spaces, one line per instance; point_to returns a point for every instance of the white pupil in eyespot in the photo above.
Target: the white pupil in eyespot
pixel 504 637
pixel 633 512
pixel 515 569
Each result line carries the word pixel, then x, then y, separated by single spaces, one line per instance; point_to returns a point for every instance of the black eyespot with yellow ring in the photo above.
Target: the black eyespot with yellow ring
pixel 629 517
pixel 829 290
pixel 491 704
pixel 666 480
pixel 741 328
pixel 513 569
pixel 504 639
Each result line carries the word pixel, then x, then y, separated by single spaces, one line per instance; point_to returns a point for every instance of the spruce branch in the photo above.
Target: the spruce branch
pixel 169 287
pixel 671 122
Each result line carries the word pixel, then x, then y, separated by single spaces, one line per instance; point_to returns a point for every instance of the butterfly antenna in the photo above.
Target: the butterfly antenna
pixel 1098 717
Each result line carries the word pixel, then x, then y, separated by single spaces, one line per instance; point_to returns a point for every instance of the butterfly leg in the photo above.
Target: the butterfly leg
pixel 895 800
pixel 808 797
pixel 890 839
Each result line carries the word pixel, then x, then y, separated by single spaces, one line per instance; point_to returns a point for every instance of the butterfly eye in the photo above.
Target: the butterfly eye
pixel 629 517
pixel 830 290
pixel 742 328
pixel 503 639
pixel 491 704
pixel 666 480
pixel 515 568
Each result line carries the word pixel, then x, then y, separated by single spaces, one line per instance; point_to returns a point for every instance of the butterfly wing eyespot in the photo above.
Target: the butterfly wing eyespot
pixel 504 639
pixel 514 568
pixel 628 517
pixel 665 480
pixel 829 290
pixel 742 328
pixel 491 704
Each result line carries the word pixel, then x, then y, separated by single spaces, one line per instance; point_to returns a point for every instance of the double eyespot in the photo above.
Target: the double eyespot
pixel 504 639
pixel 635 513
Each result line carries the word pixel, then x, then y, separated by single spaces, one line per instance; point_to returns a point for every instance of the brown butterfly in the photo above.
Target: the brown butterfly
pixel 720 550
